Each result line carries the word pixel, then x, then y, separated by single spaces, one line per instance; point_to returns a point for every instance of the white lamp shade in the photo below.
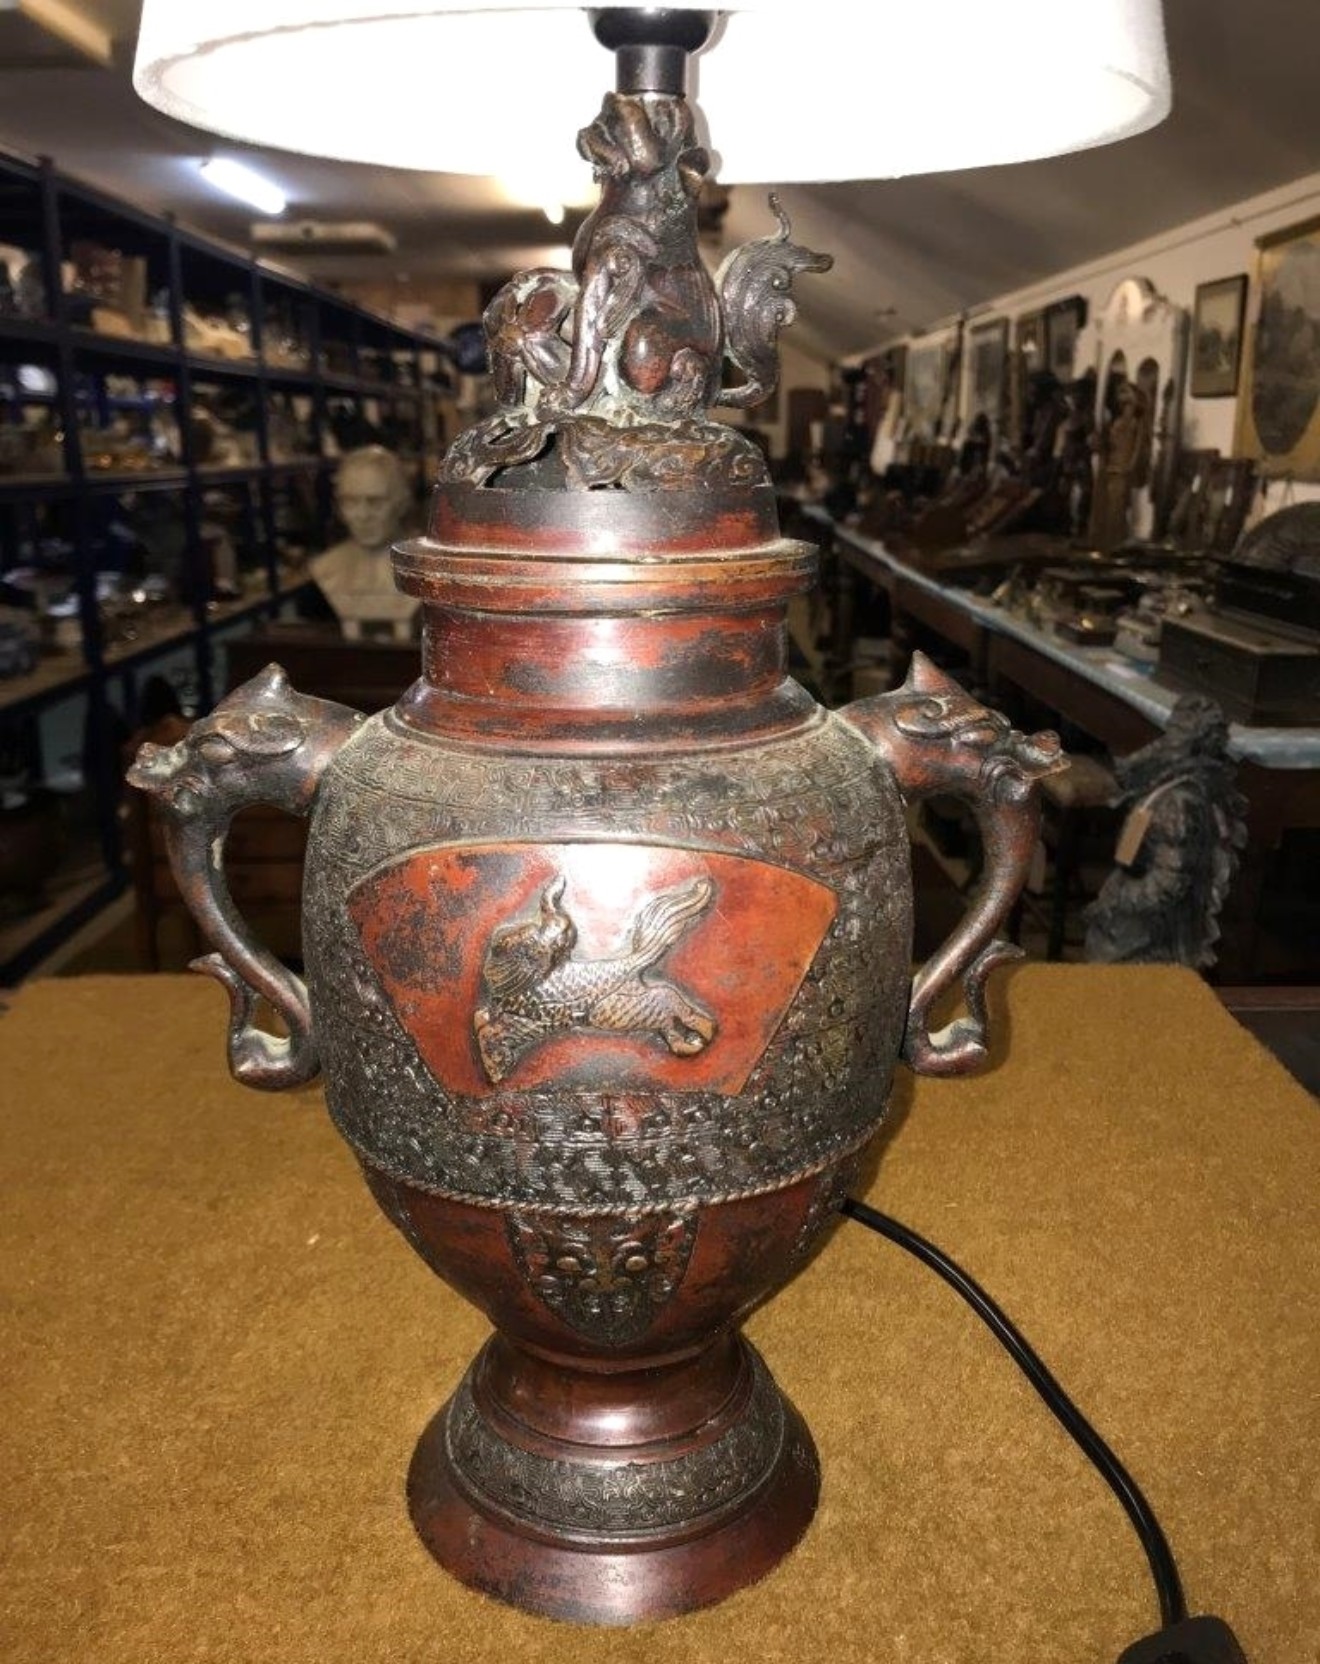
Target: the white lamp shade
pixel 791 91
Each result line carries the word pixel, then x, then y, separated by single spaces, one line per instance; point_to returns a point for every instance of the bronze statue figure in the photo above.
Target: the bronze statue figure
pixel 1076 450
pixel 1178 847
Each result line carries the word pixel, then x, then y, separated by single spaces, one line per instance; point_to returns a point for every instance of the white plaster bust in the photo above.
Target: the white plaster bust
pixel 355 576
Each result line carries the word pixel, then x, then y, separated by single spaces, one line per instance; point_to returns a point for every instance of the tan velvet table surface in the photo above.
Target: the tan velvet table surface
pixel 217 1356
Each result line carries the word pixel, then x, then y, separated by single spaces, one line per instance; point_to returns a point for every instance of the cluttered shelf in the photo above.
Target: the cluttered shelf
pixel 170 412
pixel 153 632
pixel 124 349
pixel 31 487
pixel 169 626
pixel 228 612
pixel 52 676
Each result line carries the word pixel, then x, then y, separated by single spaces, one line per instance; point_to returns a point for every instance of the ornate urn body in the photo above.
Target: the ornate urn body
pixel 607 924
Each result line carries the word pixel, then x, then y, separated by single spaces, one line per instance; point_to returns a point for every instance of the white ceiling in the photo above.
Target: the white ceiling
pixel 1246 118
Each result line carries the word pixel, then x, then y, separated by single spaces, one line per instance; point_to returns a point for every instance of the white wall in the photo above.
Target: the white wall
pixel 1220 245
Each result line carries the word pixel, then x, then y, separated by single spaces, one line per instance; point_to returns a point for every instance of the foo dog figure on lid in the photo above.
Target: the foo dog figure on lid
pixel 621 359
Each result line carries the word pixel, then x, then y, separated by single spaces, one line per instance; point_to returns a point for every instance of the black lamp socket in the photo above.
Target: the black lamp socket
pixel 651 47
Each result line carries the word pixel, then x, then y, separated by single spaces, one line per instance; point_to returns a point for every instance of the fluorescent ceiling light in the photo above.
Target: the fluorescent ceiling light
pixel 836 90
pixel 236 179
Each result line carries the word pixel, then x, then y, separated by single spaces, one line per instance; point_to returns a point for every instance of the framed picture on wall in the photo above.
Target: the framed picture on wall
pixel 884 379
pixel 987 364
pixel 1029 340
pixel 1064 322
pixel 1278 414
pixel 924 388
pixel 1217 337
pixel 1028 358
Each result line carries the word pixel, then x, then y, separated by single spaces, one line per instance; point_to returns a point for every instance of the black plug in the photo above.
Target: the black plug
pixel 1193 1641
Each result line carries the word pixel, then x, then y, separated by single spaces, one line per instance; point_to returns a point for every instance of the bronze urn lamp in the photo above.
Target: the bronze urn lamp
pixel 607 924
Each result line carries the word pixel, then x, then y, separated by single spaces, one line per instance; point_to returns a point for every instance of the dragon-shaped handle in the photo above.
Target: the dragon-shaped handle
pixel 938 739
pixel 263 744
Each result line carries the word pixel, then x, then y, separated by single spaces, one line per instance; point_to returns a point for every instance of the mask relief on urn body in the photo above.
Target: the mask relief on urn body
pixel 263 744
pixel 605 1278
pixel 938 739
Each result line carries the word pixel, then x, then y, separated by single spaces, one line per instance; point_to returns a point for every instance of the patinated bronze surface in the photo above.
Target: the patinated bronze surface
pixel 1178 847
pixel 608 924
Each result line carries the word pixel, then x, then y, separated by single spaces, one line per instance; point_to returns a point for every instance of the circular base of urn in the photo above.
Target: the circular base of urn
pixel 602 1532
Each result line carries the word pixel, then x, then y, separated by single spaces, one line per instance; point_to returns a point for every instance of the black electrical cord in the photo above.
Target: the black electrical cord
pixel 1163 1568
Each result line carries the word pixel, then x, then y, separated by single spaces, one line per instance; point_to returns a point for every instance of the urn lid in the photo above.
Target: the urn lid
pixel 493 549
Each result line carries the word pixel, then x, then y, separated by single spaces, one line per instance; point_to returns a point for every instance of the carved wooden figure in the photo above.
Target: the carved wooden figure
pixel 607 923
pixel 1122 447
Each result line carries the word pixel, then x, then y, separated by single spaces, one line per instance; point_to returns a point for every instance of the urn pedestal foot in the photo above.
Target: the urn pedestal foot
pixel 607 1528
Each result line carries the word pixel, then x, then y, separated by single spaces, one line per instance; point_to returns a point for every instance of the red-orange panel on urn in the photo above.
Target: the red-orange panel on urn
pixel 602 966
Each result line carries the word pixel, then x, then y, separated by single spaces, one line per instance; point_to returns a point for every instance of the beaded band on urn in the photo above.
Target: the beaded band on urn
pixel 607 925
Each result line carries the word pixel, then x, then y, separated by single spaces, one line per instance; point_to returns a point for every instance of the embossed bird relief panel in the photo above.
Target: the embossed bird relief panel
pixel 601 966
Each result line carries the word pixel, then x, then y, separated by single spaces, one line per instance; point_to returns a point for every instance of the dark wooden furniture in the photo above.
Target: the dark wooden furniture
pixel 1287 1020
pixel 1256 675
pixel 369 675
pixel 915 602
pixel 1069 801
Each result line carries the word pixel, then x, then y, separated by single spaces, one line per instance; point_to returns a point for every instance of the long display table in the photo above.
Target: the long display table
pixel 1109 697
